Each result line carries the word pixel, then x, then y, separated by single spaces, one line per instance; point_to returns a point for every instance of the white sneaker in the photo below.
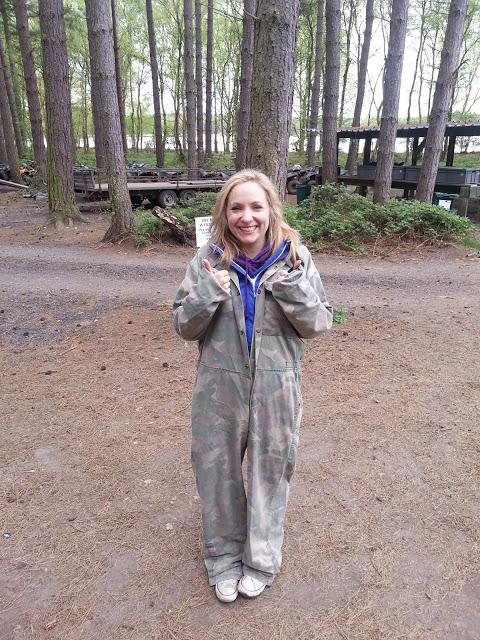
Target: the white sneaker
pixel 227 590
pixel 251 587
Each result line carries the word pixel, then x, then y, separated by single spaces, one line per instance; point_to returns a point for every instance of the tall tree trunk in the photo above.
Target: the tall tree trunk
pixel 102 60
pixel 132 107
pixel 189 86
pixel 348 60
pixel 215 142
pixel 86 144
pixel 12 84
pixel 11 100
pixel 272 88
pixel 417 58
pixel 208 82
pixel 362 75
pixel 177 100
pixel 161 80
pixel 97 126
pixel 8 133
pixel 391 97
pixel 33 99
pixel 159 145
pixel 317 77
pixel 246 70
pixel 434 50
pixel 198 79
pixel 118 79
pixel 303 75
pixel 3 149
pixel 441 100
pixel 330 91
pixel 61 196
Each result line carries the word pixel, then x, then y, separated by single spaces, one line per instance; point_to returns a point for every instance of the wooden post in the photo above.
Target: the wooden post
pixel 450 151
pixel 367 148
pixel 415 152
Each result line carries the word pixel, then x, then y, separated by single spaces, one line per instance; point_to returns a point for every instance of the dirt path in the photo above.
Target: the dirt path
pixel 99 515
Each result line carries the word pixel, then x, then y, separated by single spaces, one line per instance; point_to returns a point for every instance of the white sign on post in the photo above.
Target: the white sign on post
pixel 202 230
pixel 446 204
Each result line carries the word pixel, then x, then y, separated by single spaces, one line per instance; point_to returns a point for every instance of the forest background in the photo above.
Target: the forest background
pixel 426 30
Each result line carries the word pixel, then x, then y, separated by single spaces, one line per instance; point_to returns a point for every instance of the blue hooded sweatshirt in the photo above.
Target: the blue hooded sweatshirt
pixel 249 279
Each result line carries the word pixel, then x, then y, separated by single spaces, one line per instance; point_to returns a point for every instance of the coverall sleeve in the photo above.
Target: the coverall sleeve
pixel 302 298
pixel 196 301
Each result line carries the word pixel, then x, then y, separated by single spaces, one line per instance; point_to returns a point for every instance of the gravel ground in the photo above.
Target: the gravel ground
pixel 100 518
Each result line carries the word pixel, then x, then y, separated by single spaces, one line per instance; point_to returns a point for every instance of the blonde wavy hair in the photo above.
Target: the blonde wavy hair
pixel 278 229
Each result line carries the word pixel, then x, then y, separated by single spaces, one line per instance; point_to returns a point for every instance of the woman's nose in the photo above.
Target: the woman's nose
pixel 247 214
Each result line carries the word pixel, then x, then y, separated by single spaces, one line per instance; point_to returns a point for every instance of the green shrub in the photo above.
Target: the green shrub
pixel 333 215
pixel 201 206
pixel 421 220
pixel 340 314
pixel 470 241
pixel 146 227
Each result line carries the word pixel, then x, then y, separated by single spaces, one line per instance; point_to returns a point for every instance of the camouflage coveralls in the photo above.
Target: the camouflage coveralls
pixel 247 400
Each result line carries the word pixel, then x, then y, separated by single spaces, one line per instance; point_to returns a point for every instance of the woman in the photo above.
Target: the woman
pixel 249 298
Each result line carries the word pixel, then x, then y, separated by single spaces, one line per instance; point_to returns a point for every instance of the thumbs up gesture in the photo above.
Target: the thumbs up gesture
pixel 222 277
pixel 283 273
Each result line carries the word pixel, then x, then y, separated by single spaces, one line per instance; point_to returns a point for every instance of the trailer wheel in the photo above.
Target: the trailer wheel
pixel 187 196
pixel 167 198
pixel 136 199
pixel 292 186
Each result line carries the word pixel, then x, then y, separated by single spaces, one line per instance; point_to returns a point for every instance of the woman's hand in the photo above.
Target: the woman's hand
pixel 222 277
pixel 283 273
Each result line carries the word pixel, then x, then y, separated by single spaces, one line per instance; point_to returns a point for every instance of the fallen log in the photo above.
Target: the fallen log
pixel 15 185
pixel 178 229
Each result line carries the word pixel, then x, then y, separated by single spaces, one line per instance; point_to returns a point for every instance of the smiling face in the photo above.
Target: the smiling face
pixel 248 216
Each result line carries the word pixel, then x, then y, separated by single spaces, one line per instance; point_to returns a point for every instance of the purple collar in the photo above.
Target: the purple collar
pixel 251 265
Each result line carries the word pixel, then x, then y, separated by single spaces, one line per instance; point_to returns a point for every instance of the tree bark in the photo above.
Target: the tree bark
pixel 272 88
pixel 199 80
pixel 12 84
pixel 317 78
pixel 8 133
pixel 246 69
pixel 33 98
pixel 85 73
pixel 157 111
pixel 362 75
pixel 3 149
pixel 100 42
pixel 208 82
pixel 330 91
pixel 391 96
pixel 441 100
pixel 348 60
pixel 61 195
pixel 118 79
pixel 423 6
pixel 189 87
pixel 97 126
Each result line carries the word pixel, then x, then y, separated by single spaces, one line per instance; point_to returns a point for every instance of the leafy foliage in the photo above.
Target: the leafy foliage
pixel 340 314
pixel 146 227
pixel 333 215
pixel 201 206
pixel 472 240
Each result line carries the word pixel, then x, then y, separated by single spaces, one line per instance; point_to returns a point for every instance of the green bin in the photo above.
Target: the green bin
pixel 443 199
pixel 303 191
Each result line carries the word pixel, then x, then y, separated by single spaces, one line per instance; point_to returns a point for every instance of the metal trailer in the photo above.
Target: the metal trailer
pixel 165 193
